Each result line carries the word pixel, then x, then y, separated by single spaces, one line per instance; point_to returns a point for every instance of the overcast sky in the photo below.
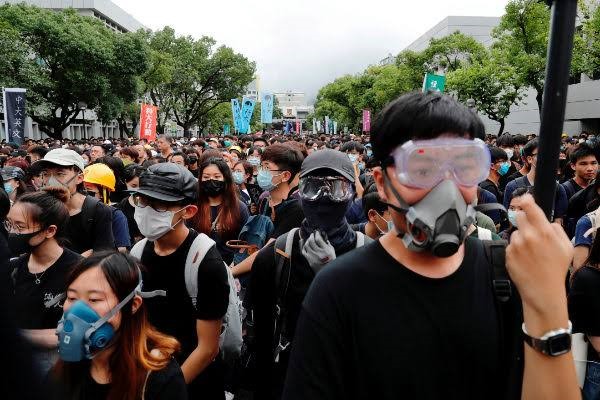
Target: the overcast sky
pixel 304 44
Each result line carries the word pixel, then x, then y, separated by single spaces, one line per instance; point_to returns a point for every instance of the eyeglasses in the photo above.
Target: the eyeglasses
pixel 315 187
pixel 423 164
pixel 143 202
pixel 14 228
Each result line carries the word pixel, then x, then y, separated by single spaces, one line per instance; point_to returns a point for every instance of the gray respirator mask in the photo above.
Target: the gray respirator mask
pixel 438 223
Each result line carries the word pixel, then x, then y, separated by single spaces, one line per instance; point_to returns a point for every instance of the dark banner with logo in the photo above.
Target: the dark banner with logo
pixel 14 115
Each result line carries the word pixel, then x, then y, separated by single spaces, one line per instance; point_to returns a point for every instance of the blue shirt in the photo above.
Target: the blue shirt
pixel 356 214
pixel 120 228
pixel 560 201
pixel 583 225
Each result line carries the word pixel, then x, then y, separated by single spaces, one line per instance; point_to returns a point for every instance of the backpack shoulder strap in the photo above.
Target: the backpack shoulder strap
pixel 283 251
pixel 196 253
pixel 88 213
pixel 508 308
pixel 360 239
pixel 138 249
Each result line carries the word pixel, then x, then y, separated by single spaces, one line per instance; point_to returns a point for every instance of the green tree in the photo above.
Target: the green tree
pixel 492 83
pixel 62 59
pixel 189 77
pixel 590 62
pixel 452 52
pixel 414 62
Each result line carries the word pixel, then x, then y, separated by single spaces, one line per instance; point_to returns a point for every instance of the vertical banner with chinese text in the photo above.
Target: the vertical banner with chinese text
pixel 14 115
pixel 236 112
pixel 298 126
pixel 246 117
pixel 266 108
pixel 366 121
pixel 148 122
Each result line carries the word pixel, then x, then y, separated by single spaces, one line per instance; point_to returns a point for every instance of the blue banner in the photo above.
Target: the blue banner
pixel 266 108
pixel 247 110
pixel 14 115
pixel 236 112
pixel 226 129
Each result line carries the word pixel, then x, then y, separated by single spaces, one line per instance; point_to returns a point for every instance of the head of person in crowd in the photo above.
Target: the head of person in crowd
pixel 584 163
pixel 216 187
pixel 192 156
pixel 506 143
pixel 254 155
pixel 86 158
pixel 116 165
pixel 63 168
pixel 354 150
pixel 142 154
pixel 280 164
pixel 242 173
pixel 379 220
pixel 236 154
pixel 36 153
pixel 178 157
pixel 165 198
pixel 326 191
pixel 131 176
pixel 164 143
pixel 96 152
pixel 260 143
pixel 37 218
pixel 432 159
pixel 514 208
pixel 99 181
pixel 213 143
pixel 499 163
pixel 530 151
pixel 199 145
pixel 14 182
pixel 106 289
pixel 129 155
pixel 33 177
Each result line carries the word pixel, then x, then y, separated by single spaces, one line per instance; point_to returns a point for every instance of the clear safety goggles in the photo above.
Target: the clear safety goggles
pixel 314 187
pixel 425 163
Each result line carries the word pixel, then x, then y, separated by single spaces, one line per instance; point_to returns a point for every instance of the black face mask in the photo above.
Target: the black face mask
pixel 192 160
pixel 324 213
pixel 212 187
pixel 18 243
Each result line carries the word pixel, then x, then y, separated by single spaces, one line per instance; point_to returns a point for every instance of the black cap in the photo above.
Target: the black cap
pixel 168 182
pixel 12 173
pixel 328 159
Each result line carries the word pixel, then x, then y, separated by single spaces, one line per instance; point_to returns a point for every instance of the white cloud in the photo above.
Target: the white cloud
pixel 302 45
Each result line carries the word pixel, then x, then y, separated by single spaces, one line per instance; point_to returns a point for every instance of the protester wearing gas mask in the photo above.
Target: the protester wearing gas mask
pixel 107 347
pixel 36 226
pixel 164 202
pixel 283 270
pixel 415 312
pixel 90 222
pixel 221 215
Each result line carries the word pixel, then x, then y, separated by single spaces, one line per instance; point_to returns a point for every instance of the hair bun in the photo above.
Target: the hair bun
pixel 60 193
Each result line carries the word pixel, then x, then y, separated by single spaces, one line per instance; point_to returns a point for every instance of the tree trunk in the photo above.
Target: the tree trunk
pixel 501 130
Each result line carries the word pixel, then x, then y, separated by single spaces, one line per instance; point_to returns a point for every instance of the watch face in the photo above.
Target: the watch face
pixel 559 344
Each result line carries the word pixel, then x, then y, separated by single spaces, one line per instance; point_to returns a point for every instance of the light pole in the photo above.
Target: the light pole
pixel 82 105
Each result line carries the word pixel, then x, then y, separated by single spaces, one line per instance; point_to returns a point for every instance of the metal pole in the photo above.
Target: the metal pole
pixel 560 49
pixel 84 132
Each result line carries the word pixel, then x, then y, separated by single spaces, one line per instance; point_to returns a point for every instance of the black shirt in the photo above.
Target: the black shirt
pixel 175 314
pixel 101 234
pixel 227 252
pixel 571 187
pixel 261 298
pixel 584 305
pixel 129 211
pixel 31 312
pixel 373 329
pixel 288 215
pixel 167 383
pixel 491 187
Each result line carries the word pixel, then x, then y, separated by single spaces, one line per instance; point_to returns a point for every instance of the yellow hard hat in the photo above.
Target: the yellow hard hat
pixel 236 148
pixel 100 174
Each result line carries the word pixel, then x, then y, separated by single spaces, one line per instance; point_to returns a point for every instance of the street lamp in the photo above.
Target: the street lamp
pixel 82 105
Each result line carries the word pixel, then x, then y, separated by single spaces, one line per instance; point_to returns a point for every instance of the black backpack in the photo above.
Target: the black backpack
pixel 510 318
pixel 88 214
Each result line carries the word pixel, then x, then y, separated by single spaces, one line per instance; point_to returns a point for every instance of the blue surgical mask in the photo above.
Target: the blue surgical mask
pixel 265 180
pixel 8 188
pixel 352 157
pixel 227 143
pixel 512 217
pixel 369 152
pixel 254 161
pixel 361 166
pixel 503 168
pixel 82 333
pixel 238 177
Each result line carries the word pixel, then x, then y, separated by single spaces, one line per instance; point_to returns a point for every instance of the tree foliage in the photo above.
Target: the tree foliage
pixel 64 59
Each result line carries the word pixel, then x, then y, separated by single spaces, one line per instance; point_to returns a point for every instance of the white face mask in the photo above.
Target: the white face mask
pixel 153 224
pixel 509 153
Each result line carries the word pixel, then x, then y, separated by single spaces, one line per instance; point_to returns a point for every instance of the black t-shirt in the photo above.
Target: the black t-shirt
pixel 571 187
pixel 175 314
pixel 167 383
pixel 30 310
pixel 261 298
pixel 288 215
pixel 129 211
pixel 491 187
pixel 101 234
pixel 584 305
pixel 373 329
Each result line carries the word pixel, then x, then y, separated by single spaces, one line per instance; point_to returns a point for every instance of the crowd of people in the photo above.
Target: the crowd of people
pixel 359 265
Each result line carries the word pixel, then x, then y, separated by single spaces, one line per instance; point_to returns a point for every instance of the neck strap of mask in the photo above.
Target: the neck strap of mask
pixel 403 205
pixel 117 308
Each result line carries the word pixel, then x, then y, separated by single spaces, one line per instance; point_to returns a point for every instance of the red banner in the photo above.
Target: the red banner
pixel 148 122
pixel 366 121
pixel 298 126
